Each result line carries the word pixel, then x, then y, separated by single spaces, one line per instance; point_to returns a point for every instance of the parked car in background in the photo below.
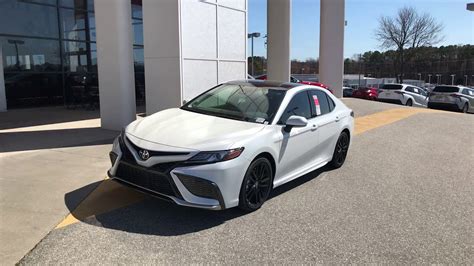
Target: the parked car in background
pixel 233 144
pixel 458 98
pixel 405 94
pixel 295 80
pixel 347 91
pixel 367 93
pixel 250 76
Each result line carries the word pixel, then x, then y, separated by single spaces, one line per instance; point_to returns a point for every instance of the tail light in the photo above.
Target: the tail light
pixel 455 95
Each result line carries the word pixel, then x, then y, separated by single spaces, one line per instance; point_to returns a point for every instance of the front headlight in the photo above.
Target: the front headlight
pixel 216 156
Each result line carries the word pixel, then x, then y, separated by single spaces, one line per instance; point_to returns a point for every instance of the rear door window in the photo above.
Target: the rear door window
pixel 392 87
pixel 320 103
pixel 446 89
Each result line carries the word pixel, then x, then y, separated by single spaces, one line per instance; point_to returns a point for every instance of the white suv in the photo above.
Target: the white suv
pixel 403 94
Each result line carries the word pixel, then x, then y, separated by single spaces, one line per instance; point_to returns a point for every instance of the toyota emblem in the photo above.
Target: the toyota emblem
pixel 144 154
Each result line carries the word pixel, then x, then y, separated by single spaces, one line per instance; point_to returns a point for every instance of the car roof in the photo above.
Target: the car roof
pixel 266 83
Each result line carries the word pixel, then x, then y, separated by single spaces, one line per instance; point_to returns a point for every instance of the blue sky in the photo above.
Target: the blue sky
pixel 362 18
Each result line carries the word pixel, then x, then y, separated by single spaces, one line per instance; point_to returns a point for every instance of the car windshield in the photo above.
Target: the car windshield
pixel 239 102
pixel 392 87
pixel 446 89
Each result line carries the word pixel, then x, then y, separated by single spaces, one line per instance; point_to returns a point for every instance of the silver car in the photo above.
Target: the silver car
pixel 403 94
pixel 458 98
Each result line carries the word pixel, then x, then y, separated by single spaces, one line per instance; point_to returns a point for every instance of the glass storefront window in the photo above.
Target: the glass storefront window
pixel 25 54
pixel 33 89
pixel 75 25
pixel 80 57
pixel 138 31
pixel 24 18
pixel 78 4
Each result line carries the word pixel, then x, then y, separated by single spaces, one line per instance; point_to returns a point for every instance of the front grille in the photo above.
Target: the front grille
pixel 147 179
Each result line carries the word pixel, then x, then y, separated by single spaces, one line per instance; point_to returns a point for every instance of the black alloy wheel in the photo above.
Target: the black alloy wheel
pixel 409 103
pixel 340 152
pixel 257 185
pixel 465 108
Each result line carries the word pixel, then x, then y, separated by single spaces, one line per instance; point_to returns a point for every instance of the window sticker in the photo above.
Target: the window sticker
pixel 316 104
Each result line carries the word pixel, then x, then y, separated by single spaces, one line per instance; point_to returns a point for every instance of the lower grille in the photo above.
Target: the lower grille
pixel 201 187
pixel 145 178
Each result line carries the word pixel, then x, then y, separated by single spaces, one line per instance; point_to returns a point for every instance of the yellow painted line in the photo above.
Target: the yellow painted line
pixel 372 121
pixel 110 195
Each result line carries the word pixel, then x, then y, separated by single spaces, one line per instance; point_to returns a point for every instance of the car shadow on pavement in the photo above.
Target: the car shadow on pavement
pixel 153 216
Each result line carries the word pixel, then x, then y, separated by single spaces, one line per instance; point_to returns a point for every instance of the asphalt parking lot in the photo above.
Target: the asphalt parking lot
pixel 405 195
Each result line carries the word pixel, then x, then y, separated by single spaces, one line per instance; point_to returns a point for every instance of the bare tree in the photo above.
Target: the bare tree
pixel 408 29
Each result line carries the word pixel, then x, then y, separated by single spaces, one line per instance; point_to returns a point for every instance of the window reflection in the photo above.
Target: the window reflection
pixel 23 18
pixel 54 58
pixel 75 25
pixel 24 54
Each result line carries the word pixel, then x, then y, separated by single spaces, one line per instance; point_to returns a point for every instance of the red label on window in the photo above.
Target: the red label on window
pixel 316 104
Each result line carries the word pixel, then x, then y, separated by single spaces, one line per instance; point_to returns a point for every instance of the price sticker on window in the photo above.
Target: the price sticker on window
pixel 316 104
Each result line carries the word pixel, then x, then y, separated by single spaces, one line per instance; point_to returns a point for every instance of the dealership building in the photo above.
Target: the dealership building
pixel 117 54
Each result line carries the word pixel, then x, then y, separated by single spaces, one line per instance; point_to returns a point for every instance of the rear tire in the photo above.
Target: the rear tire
pixel 465 108
pixel 340 151
pixel 409 102
pixel 257 185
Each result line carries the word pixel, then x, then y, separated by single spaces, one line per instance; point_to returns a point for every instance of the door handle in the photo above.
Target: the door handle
pixel 314 127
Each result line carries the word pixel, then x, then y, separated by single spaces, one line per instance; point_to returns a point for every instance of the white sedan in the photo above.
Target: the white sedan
pixel 233 144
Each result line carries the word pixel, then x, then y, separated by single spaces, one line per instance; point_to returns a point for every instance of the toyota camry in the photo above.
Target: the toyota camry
pixel 233 144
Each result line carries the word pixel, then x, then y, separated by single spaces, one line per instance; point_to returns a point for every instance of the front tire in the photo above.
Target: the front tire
pixel 465 108
pixel 340 152
pixel 257 185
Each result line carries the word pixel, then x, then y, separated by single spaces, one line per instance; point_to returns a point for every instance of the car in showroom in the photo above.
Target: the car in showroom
pixel 404 94
pixel 295 80
pixel 457 98
pixel 367 93
pixel 231 145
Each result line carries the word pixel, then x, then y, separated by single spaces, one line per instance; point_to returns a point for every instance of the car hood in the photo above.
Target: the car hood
pixel 188 130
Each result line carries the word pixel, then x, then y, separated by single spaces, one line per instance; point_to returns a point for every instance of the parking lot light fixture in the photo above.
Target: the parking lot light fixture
pixel 251 36
pixel 470 6
pixel 452 78
pixel 438 76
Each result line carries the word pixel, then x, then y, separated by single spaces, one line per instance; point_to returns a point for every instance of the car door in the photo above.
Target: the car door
pixel 423 95
pixel 327 123
pixel 415 94
pixel 469 95
pixel 297 147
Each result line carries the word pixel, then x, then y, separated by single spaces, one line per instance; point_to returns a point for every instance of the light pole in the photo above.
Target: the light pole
pixel 452 78
pixel 16 43
pixel 438 78
pixel 419 76
pixel 251 36
pixel 465 76
pixel 429 78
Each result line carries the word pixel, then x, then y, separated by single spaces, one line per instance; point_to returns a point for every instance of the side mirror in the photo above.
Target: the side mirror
pixel 295 121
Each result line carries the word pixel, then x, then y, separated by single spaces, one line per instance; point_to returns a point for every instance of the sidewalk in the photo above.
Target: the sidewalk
pixel 44 154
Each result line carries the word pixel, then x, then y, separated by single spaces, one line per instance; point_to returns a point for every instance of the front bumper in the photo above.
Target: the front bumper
pixel 444 106
pixel 210 186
